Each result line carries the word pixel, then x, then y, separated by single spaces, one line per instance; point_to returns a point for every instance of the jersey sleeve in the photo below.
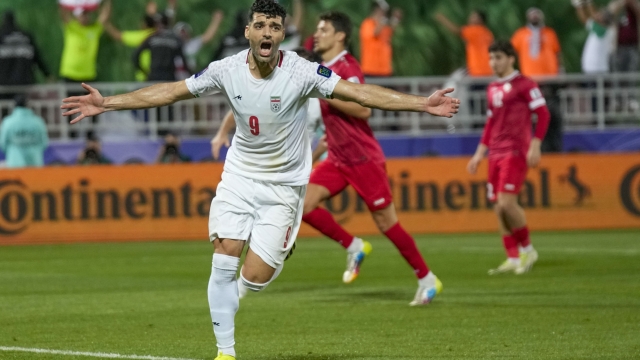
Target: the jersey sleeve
pixel 317 81
pixel 486 133
pixel 533 95
pixel 209 80
pixel 538 106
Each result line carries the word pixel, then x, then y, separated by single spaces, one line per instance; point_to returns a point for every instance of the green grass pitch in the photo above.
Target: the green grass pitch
pixel 582 301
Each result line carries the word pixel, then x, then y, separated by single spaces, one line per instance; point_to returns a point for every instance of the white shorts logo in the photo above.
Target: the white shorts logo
pixel 378 202
pixel 509 187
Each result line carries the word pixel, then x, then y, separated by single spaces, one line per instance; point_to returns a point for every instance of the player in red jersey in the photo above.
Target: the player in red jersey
pixel 512 100
pixel 355 158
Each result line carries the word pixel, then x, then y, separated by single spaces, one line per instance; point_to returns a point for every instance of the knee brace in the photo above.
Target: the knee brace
pixel 252 286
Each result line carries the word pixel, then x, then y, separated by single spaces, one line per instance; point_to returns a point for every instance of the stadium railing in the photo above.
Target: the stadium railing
pixel 583 102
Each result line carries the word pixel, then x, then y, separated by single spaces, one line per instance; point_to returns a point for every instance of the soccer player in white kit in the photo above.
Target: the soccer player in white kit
pixel 260 197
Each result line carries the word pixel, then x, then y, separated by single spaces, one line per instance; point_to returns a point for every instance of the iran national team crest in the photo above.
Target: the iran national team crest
pixel 275 103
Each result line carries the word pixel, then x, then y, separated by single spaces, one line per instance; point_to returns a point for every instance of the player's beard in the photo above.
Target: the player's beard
pixel 258 52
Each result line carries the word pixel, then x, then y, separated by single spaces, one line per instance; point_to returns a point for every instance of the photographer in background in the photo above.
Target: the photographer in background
pixel 170 152
pixel 92 153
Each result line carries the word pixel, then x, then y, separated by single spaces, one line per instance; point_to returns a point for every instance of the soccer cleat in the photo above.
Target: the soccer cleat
pixel 354 261
pixel 222 356
pixel 425 295
pixel 505 267
pixel 526 261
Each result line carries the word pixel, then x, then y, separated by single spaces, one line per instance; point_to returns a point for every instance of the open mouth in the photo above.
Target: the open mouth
pixel 265 48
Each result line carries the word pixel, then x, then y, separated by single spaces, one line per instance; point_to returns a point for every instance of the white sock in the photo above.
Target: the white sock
pixel 428 281
pixel 514 261
pixel 356 246
pixel 527 248
pixel 223 300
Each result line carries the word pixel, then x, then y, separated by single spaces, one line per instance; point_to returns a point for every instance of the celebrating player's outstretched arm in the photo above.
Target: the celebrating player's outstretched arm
pixel 152 96
pixel 373 96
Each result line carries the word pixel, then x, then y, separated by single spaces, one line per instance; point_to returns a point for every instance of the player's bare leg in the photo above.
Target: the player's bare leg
pixel 514 220
pixel 428 284
pixel 323 221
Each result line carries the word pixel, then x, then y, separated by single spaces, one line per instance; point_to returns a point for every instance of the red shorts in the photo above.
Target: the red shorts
pixel 506 174
pixel 368 179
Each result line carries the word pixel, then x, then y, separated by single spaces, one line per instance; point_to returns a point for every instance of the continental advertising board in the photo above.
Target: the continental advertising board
pixel 432 195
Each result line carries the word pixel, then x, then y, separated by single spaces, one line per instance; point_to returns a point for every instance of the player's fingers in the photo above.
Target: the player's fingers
pixel 445 91
pixel 88 88
pixel 80 117
pixel 69 106
pixel 71 99
pixel 71 112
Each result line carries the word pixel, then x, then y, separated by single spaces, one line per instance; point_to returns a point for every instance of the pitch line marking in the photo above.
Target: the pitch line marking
pixel 90 354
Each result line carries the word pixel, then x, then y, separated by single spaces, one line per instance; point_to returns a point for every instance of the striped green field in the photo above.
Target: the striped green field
pixel 581 301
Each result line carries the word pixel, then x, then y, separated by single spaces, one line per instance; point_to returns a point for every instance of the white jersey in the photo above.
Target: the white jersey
pixel 271 142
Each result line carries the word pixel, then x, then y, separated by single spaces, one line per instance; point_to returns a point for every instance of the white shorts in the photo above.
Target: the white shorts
pixel 267 215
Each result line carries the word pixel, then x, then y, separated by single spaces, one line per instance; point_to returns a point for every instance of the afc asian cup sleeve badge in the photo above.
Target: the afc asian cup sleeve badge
pixel 275 103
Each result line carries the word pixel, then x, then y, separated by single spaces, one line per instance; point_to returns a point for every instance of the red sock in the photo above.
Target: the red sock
pixel 510 245
pixel 522 236
pixel 407 246
pixel 323 221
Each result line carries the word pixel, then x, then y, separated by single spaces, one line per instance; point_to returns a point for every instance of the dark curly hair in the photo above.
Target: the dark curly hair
pixel 271 8
pixel 340 22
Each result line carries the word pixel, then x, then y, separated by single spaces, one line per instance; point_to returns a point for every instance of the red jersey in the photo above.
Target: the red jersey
pixel 511 102
pixel 350 139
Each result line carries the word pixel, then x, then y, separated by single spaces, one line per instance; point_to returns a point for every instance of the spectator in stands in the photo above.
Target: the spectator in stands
pixel 293 23
pixel 552 142
pixel 92 153
pixel 135 38
pixel 165 47
pixel 537 46
pixel 477 37
pixel 170 151
pixel 81 42
pixel 234 41
pixel 597 48
pixel 626 56
pixel 19 54
pixel 192 45
pixel 23 136
pixel 376 32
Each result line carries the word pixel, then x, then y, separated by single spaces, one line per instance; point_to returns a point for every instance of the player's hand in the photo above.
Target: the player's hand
pixel 322 144
pixel 439 104
pixel 87 105
pixel 217 143
pixel 217 16
pixel 533 155
pixel 472 166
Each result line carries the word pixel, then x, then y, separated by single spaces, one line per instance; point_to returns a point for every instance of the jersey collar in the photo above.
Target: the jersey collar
pixel 335 59
pixel 510 77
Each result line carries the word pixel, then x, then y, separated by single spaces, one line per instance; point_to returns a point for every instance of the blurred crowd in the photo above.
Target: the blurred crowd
pixel 164 49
